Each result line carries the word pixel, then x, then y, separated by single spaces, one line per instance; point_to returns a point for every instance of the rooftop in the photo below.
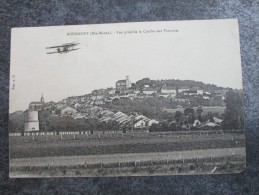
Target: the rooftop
pixel 121 81
pixel 36 102
pixel 191 91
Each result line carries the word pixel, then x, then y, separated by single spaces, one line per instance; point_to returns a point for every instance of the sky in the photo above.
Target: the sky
pixel 205 50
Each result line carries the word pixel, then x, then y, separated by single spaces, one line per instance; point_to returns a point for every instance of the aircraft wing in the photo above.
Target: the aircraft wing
pixel 54 47
pixel 70 44
pixel 63 51
pixel 52 52
pixel 74 49
pixel 64 45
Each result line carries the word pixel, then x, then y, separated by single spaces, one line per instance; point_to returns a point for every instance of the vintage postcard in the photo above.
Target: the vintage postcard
pixel 126 99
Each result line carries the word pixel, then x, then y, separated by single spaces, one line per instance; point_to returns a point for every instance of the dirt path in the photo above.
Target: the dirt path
pixel 112 158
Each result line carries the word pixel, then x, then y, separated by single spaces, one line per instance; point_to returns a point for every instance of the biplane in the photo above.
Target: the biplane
pixel 67 47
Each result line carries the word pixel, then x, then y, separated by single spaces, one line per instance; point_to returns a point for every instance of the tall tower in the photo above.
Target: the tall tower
pixel 31 121
pixel 127 82
pixel 42 98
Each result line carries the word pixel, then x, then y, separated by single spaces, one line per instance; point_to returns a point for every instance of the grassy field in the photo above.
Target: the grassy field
pixel 26 147
pixel 126 154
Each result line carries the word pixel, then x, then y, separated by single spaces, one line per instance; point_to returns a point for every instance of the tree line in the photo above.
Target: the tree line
pixel 175 82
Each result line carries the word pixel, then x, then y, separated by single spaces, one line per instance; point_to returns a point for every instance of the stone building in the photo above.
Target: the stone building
pixel 123 84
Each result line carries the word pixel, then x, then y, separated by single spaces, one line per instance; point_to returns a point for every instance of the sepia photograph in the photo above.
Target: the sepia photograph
pixel 126 99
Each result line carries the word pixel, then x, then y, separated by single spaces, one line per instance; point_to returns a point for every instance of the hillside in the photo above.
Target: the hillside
pixel 177 83
pixel 141 104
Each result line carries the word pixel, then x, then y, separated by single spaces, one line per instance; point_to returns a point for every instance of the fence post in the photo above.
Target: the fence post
pixel 151 162
pixel 30 167
pixel 32 138
pixel 135 163
pixel 61 136
pixel 119 163
pixel 99 135
pixel 48 166
pixel 74 136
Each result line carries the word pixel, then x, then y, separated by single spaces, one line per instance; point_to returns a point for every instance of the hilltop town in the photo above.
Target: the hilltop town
pixel 147 104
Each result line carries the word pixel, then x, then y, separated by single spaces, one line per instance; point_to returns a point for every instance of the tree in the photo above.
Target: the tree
pixel 133 86
pixel 199 111
pixel 16 122
pixel 172 127
pixel 189 112
pixel 178 116
pixel 210 115
pixel 94 123
pixel 234 118
pixel 112 125
pixel 154 127
pixel 115 101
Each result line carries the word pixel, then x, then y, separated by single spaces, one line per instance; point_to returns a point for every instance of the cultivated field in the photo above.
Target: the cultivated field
pixel 127 154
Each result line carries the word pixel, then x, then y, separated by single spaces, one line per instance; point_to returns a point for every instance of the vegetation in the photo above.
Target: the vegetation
pixel 172 82
pixel 233 116
pixel 116 144
pixel 153 108
pixel 16 122
pixel 48 122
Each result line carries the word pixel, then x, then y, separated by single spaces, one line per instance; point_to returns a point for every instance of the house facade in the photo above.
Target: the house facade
pixel 151 122
pixel 182 89
pixel 149 91
pixel 190 92
pixel 140 124
pixel 169 90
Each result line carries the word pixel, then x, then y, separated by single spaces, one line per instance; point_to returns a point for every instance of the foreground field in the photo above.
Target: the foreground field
pixel 127 154
pixel 184 162
pixel 69 145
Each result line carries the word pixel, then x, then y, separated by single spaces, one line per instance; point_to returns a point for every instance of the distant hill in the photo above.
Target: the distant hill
pixel 179 83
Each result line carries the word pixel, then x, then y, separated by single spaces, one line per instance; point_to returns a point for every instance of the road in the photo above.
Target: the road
pixel 113 158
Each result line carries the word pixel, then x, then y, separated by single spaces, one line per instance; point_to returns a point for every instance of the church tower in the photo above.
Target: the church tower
pixel 42 99
pixel 128 84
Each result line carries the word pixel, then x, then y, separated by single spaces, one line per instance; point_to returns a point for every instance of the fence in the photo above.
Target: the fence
pixel 207 132
pixel 49 133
